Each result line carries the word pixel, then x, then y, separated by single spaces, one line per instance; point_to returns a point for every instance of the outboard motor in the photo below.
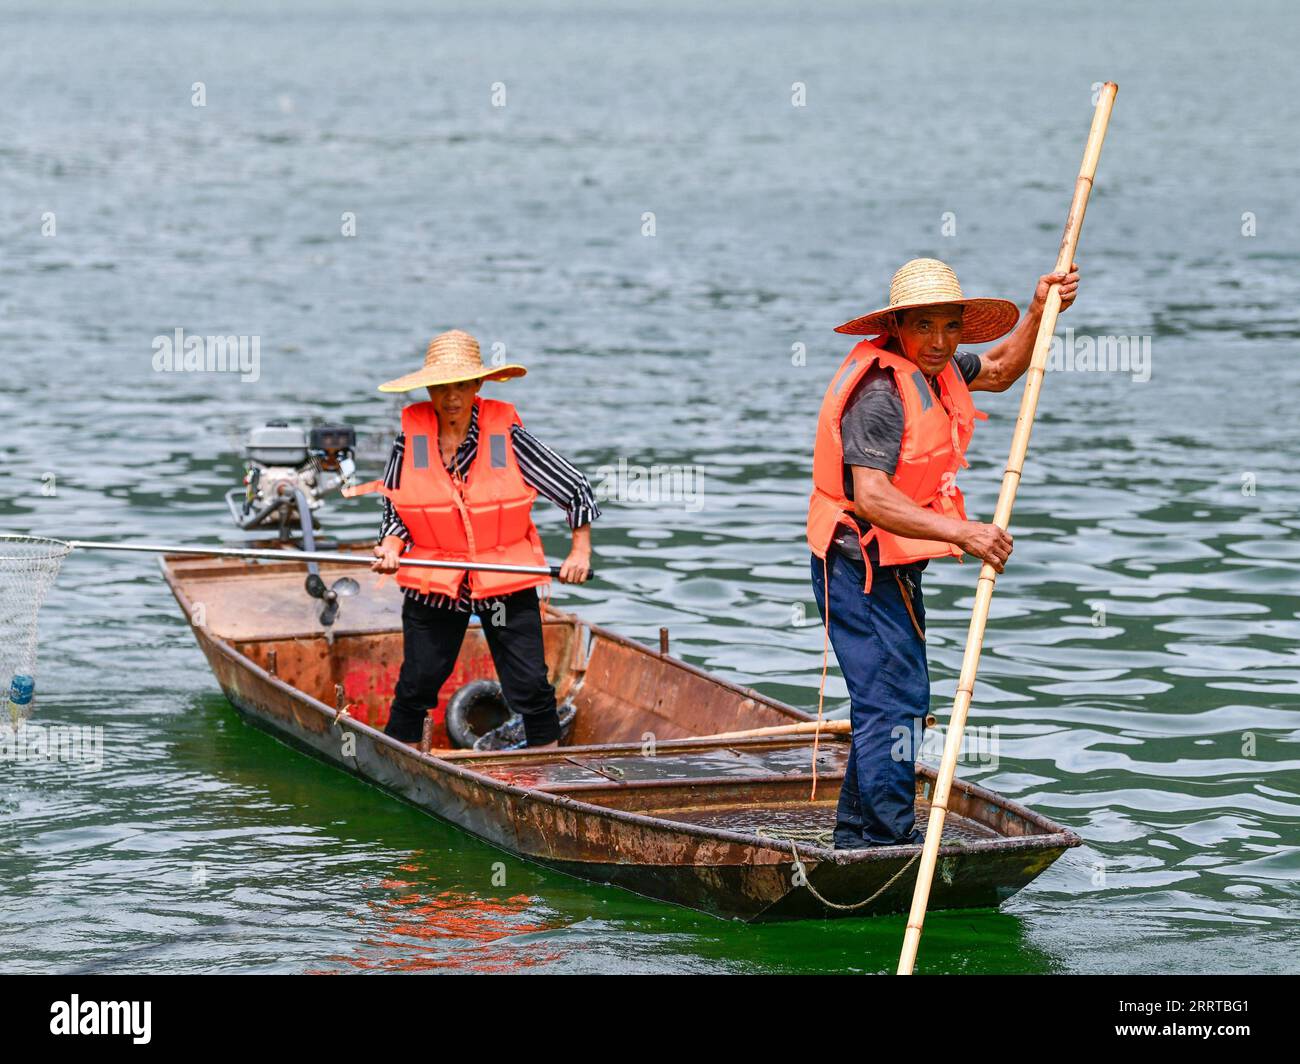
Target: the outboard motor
pixel 288 473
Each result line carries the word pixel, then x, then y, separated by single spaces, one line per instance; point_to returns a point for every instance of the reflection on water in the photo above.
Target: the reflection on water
pixel 452 930
pixel 1141 663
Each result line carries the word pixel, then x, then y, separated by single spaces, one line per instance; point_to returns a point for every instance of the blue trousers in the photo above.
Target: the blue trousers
pixel 883 662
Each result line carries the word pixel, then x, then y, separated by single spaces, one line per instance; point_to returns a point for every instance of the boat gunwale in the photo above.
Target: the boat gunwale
pixel 1057 836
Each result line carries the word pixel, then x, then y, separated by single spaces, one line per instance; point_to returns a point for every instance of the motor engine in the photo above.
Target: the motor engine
pixel 288 474
pixel 289 471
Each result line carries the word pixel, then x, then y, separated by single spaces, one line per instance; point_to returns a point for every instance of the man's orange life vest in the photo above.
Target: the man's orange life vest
pixel 936 432
pixel 486 517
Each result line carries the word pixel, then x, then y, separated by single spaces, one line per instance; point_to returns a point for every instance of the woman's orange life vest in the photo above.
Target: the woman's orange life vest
pixel 486 517
pixel 936 432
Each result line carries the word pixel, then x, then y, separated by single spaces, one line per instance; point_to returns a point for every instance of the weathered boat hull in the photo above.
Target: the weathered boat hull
pixel 666 817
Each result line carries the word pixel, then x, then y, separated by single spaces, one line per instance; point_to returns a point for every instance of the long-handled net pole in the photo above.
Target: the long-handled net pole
pixel 1001 518
pixel 308 556
pixel 30 564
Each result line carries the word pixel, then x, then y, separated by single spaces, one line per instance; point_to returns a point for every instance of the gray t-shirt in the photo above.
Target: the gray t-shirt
pixel 872 430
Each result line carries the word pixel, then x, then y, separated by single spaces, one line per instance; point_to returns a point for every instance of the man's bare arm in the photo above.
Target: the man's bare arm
pixel 876 500
pixel 1005 363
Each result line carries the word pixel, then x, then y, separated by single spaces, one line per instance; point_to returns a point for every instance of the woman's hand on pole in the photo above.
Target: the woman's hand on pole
pixel 387 554
pixel 577 566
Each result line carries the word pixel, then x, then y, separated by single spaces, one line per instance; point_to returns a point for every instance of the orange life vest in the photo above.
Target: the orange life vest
pixel 936 432
pixel 486 517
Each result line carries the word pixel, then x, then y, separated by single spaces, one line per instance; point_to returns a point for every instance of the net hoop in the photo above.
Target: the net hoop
pixel 35 549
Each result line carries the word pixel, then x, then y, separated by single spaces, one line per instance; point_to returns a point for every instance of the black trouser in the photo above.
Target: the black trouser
pixel 431 640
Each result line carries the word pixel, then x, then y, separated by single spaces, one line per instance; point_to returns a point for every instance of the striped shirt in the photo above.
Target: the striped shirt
pixel 543 470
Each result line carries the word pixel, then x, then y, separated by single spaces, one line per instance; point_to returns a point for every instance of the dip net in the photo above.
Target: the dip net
pixel 28 566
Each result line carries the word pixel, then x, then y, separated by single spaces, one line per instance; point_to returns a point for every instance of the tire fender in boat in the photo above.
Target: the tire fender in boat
pixel 475 710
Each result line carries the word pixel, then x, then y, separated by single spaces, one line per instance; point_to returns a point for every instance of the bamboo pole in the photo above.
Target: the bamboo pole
pixel 1001 518
pixel 827 727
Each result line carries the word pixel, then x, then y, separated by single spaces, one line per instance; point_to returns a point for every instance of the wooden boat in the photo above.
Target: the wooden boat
pixel 635 799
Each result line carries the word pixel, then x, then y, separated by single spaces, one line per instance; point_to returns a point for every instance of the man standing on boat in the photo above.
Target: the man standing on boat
pixel 460 485
pixel 892 434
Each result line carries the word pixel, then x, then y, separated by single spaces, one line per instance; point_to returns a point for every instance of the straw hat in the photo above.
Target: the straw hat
pixel 452 356
pixel 928 283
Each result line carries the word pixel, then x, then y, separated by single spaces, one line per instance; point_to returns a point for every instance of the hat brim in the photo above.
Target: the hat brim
pixel 983 319
pixel 427 379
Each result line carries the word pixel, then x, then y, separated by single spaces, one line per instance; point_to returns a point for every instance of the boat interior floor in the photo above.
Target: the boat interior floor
pixel 811 822
pixel 562 769
pixel 755 787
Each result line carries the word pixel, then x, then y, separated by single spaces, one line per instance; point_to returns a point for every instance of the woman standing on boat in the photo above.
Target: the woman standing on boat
pixel 892 434
pixel 460 484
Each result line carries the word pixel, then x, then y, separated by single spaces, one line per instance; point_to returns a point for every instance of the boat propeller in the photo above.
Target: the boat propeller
pixel 343 587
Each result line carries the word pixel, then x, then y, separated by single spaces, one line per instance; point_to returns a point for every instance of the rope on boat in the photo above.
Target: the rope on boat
pixel 823 837
pixel 803 872
pixel 821 688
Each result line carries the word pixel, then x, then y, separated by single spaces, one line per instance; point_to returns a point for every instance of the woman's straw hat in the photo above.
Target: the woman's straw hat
pixel 928 283
pixel 452 356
